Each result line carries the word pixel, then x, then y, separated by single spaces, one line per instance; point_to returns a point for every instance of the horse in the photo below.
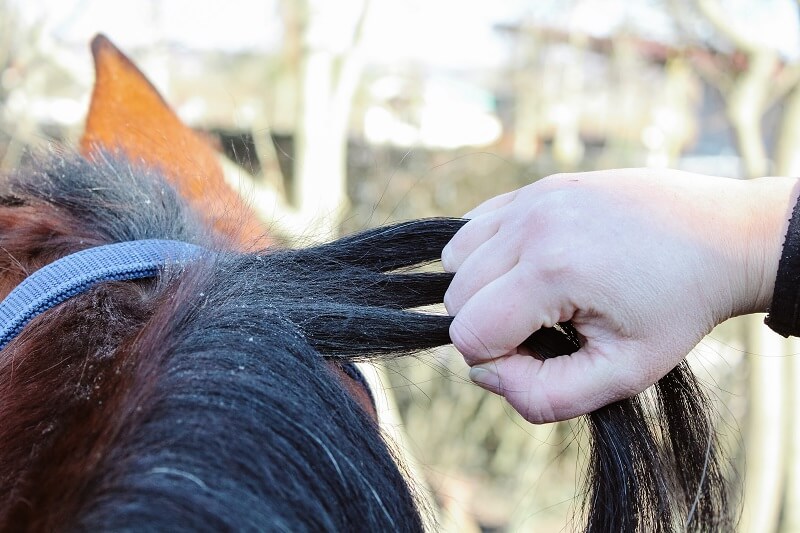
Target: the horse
pixel 217 390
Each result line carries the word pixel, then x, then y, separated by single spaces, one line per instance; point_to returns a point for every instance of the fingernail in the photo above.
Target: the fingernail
pixel 485 377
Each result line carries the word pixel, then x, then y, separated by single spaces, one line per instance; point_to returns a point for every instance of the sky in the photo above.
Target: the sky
pixel 438 33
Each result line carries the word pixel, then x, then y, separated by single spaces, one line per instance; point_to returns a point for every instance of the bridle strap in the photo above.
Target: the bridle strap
pixel 75 273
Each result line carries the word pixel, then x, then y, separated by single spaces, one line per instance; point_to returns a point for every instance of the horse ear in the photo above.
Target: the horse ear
pixel 127 115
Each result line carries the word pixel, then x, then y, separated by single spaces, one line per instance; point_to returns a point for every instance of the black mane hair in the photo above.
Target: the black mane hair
pixel 205 399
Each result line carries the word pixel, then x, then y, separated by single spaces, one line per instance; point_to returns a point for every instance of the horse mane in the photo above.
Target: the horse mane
pixel 202 399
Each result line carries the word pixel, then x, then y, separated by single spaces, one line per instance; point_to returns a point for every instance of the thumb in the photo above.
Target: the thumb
pixel 559 388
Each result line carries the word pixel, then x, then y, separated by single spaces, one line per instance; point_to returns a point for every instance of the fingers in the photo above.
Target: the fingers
pixel 555 389
pixel 468 239
pixel 502 314
pixel 491 204
pixel 482 266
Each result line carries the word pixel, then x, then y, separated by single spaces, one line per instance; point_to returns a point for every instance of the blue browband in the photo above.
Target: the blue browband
pixel 75 273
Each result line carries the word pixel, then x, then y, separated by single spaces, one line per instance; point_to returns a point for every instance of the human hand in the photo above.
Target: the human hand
pixel 643 262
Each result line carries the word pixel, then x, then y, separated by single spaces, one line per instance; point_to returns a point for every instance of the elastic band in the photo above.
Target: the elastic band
pixel 784 312
pixel 75 273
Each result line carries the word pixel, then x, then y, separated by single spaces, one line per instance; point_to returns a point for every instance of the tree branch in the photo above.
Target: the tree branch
pixel 351 67
pixel 716 15
pixel 709 68
pixel 788 78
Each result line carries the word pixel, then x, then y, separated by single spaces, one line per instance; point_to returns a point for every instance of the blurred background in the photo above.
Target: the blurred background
pixel 337 116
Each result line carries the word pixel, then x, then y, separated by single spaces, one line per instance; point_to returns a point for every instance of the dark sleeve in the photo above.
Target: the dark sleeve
pixel 784 313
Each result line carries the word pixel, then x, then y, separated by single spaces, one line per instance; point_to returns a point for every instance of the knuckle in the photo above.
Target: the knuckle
pixel 564 205
pixel 467 342
pixel 448 259
pixel 556 265
pixel 450 302
pixel 454 253
pixel 535 416
pixel 529 396
pixel 535 410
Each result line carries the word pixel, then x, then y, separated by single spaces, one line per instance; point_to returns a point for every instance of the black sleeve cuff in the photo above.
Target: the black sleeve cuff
pixel 784 313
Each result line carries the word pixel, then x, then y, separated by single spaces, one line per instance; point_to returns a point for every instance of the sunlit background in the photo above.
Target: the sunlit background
pixel 336 116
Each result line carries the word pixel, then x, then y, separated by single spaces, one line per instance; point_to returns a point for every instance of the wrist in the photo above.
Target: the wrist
pixel 771 202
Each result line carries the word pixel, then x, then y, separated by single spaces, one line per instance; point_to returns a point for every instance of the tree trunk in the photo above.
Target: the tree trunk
pixel 330 70
pixel 568 147
pixel 745 107
pixel 787 158
pixel 319 179
pixel 790 519
pixel 766 432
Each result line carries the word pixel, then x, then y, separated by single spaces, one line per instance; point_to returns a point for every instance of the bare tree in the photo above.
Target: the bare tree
pixel 752 77
pixel 315 87
pixel 329 68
